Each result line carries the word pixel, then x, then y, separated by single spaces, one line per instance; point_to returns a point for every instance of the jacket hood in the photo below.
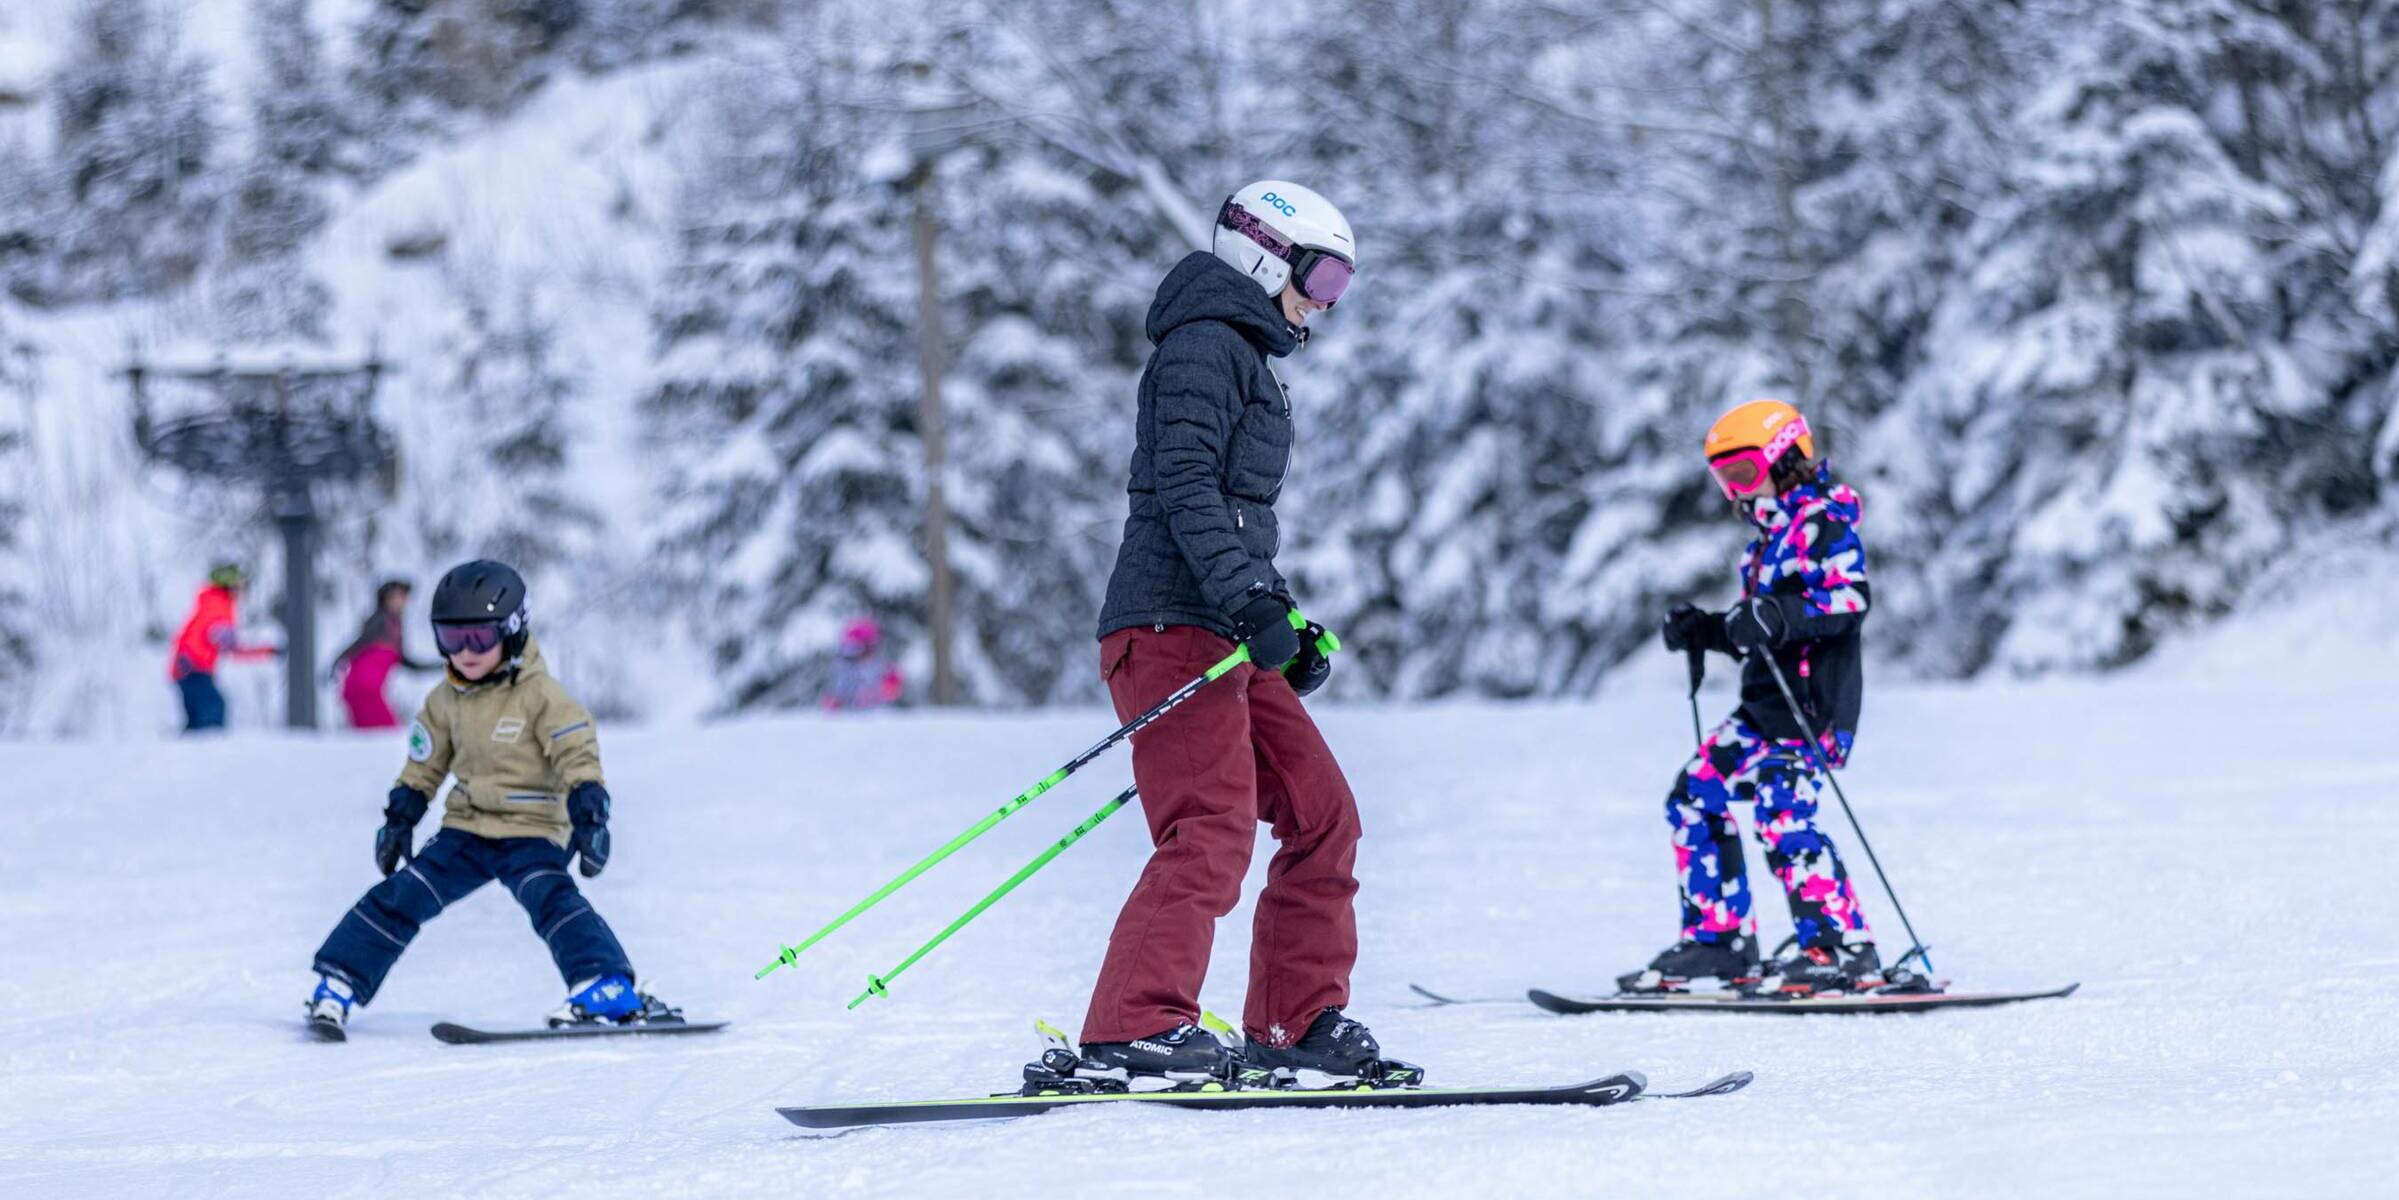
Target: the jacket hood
pixel 1204 287
pixel 1820 494
pixel 524 666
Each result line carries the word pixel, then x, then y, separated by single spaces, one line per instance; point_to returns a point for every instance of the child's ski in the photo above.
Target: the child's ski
pixel 1435 999
pixel 1738 1002
pixel 460 1035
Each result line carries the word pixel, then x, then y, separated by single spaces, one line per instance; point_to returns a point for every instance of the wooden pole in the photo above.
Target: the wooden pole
pixel 933 428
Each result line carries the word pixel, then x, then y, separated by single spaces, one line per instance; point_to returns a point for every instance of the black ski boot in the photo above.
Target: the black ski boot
pixel 1186 1055
pixel 1341 1050
pixel 1816 970
pixel 1733 961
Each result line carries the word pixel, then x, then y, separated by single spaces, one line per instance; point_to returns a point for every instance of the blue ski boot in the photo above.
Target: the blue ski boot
pixel 329 1010
pixel 612 1000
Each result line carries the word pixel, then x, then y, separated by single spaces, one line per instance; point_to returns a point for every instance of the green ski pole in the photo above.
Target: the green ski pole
pixel 1239 656
pixel 879 985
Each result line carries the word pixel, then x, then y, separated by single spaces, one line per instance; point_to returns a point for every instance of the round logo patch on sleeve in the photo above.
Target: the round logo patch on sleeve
pixel 420 742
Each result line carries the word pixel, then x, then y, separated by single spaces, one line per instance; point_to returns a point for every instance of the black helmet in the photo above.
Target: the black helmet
pixel 480 591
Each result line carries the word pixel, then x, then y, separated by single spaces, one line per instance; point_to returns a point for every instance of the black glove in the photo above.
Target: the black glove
pixel 401 812
pixel 587 808
pixel 1313 666
pixel 1758 623
pixel 1264 625
pixel 1686 626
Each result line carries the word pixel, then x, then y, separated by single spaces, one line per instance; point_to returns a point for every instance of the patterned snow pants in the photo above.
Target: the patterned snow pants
pixel 1737 763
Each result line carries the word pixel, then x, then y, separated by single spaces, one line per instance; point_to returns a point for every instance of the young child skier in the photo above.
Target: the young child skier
pixel 1804 597
pixel 1195 575
pixel 529 796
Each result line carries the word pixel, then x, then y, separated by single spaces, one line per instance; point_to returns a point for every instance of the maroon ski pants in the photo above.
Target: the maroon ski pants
pixel 1239 752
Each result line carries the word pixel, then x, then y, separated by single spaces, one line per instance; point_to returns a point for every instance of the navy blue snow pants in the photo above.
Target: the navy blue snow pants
pixel 362 949
pixel 203 704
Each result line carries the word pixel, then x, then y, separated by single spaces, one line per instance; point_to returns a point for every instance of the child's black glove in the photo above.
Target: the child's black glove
pixel 1758 623
pixel 401 812
pixel 587 808
pixel 1686 626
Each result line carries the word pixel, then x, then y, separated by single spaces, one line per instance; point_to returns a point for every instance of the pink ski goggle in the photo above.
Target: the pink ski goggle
pixel 1320 275
pixel 1742 472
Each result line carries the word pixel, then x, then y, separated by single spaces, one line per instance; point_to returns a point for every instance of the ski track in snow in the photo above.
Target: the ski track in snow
pixel 2204 856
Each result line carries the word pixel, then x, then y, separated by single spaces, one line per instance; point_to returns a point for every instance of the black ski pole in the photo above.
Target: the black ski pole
pixel 1698 658
pixel 1916 947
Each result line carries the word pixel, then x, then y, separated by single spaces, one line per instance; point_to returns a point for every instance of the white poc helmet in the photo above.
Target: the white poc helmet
pixel 1274 229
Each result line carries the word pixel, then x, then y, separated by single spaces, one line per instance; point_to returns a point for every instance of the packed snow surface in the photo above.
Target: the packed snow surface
pixel 2207 855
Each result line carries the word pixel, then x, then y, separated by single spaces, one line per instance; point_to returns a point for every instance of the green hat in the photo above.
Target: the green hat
pixel 228 575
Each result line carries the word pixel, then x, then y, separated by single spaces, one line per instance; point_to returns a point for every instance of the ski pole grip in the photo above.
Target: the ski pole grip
pixel 1328 644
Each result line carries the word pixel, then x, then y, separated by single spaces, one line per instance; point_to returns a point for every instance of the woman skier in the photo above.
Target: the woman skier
pixel 1804 597
pixel 529 796
pixel 1194 576
pixel 367 661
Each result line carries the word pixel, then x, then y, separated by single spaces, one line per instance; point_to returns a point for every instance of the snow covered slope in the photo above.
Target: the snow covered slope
pixel 2209 859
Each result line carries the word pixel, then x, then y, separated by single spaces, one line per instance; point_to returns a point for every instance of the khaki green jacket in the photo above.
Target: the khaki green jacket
pixel 517 743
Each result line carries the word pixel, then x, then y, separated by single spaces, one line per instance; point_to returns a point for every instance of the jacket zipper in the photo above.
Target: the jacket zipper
pixel 1290 422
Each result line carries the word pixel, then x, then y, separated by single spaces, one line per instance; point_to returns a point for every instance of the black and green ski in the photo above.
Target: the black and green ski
pixel 1614 1089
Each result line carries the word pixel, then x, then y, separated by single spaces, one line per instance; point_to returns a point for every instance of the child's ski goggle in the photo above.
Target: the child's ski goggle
pixel 1320 275
pixel 467 639
pixel 1742 472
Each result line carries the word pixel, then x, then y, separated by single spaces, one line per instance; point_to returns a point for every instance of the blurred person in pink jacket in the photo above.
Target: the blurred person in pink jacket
pixel 861 678
pixel 364 664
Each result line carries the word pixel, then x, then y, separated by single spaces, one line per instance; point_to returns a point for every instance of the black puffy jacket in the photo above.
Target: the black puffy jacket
pixel 1210 447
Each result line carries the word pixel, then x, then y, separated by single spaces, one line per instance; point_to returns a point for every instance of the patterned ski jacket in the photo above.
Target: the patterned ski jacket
pixel 1807 556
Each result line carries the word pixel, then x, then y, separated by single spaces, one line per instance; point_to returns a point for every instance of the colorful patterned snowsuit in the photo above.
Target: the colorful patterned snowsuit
pixel 1807 555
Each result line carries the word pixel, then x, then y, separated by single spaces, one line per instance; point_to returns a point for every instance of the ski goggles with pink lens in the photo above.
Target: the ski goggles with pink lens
pixel 473 638
pixel 1320 275
pixel 1742 472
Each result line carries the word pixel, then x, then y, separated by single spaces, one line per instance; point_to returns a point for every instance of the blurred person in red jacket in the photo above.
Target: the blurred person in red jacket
pixel 367 661
pixel 212 629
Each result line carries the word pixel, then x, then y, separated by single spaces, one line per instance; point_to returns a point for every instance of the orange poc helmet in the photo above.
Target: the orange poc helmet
pixel 1745 443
